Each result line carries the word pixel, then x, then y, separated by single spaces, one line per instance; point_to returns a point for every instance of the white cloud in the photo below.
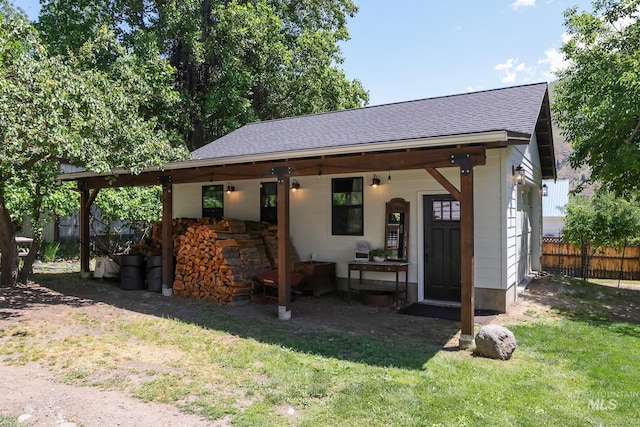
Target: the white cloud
pixel 511 69
pixel 522 3
pixel 555 61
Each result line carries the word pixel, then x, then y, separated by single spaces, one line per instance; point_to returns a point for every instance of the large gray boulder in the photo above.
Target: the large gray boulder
pixel 495 342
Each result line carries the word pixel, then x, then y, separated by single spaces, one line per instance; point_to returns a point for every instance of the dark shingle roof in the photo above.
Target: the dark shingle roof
pixel 513 109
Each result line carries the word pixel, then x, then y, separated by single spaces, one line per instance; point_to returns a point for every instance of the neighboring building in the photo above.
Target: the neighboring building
pixel 553 205
pixel 470 166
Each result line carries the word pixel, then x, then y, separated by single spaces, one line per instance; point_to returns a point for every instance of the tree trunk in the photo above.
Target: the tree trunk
pixel 27 262
pixel 586 251
pixel 8 249
pixel 624 248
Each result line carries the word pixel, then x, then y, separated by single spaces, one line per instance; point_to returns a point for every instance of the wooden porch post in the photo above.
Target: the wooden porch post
pixel 86 200
pixel 467 260
pixel 167 236
pixel 284 267
pixel 84 229
pixel 465 196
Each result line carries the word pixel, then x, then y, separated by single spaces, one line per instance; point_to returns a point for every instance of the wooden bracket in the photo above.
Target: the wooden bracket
pixel 165 180
pixel 464 161
pixel 281 172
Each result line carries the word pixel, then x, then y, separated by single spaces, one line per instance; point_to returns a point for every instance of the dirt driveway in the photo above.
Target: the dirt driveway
pixel 35 393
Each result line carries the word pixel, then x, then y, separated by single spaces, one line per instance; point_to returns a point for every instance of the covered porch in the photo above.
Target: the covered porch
pixel 464 159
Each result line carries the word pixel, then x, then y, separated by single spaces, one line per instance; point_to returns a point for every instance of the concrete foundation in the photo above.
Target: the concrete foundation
pixel 495 299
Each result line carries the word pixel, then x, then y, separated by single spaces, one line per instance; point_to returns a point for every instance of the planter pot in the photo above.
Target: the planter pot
pixel 378 259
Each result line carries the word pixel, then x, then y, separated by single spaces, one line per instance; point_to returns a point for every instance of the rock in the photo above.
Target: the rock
pixel 24 418
pixel 495 342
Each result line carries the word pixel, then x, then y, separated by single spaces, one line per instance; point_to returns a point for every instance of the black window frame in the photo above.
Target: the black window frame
pixel 351 207
pixel 269 202
pixel 216 213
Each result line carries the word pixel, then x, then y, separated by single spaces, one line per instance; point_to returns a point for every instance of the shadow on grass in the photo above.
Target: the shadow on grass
pixel 616 309
pixel 328 326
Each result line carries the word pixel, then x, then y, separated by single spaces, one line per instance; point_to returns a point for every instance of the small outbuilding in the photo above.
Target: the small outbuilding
pixel 467 170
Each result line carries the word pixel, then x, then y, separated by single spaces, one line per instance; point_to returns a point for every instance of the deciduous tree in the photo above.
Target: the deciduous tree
pixel 235 61
pixel 601 221
pixel 52 109
pixel 598 95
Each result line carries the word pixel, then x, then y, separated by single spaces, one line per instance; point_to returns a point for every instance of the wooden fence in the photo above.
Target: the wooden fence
pixel 564 258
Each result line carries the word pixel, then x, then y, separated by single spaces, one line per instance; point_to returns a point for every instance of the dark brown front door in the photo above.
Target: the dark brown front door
pixel 441 248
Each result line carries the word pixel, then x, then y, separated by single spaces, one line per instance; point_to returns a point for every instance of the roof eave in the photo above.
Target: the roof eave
pixel 499 136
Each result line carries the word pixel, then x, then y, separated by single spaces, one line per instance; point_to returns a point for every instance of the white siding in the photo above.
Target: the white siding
pixel 311 212
pixel 488 217
pixel 507 217
pixel 523 207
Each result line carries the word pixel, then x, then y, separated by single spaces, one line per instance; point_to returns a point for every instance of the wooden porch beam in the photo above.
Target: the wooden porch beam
pixel 455 193
pixel 326 165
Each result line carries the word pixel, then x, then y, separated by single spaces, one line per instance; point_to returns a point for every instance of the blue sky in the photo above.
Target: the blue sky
pixel 412 49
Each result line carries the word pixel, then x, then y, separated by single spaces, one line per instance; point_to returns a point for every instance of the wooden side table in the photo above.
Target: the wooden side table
pixel 387 266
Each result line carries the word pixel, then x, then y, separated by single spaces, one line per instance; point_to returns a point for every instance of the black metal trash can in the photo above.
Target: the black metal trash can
pixel 154 273
pixel 131 272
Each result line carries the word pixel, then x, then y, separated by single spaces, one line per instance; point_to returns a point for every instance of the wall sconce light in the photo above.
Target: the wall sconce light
pixel 518 174
pixel 230 188
pixel 295 185
pixel 375 181
pixel 545 190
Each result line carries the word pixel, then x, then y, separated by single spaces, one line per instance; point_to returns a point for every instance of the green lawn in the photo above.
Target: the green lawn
pixel 576 368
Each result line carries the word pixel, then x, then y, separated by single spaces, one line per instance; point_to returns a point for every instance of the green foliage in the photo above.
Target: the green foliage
pixel 380 252
pixel 54 108
pixel 69 250
pixel 578 222
pixel 604 220
pixel 50 251
pixel 233 62
pixel 598 95
pixel 124 216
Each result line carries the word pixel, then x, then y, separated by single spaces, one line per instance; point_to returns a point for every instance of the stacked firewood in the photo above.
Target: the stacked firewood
pixel 217 261
pixel 179 227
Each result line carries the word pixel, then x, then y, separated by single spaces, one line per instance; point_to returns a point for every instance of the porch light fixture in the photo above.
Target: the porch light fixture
pixel 375 181
pixel 545 190
pixel 295 185
pixel 230 188
pixel 518 174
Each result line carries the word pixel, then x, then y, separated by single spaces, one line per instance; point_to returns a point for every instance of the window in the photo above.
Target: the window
pixel 269 202
pixel 446 210
pixel 213 201
pixel 347 207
